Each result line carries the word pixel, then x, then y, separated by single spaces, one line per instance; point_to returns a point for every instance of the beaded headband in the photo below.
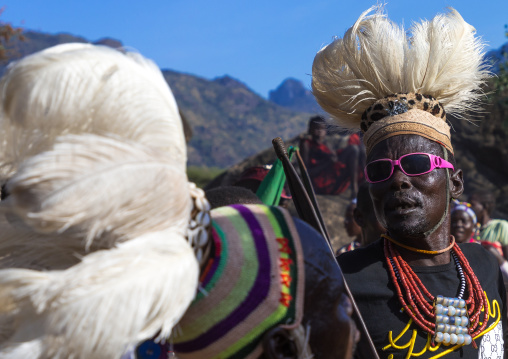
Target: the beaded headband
pixel 466 207
pixel 250 284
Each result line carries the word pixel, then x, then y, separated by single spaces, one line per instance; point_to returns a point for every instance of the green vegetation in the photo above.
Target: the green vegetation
pixel 7 34
pixel 201 175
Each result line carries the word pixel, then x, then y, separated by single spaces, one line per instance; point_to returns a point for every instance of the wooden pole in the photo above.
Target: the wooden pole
pixel 308 213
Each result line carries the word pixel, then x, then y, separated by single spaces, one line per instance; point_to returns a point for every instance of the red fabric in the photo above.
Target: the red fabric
pixel 258 173
pixel 326 181
pixel 496 245
pixel 354 139
pixel 331 178
pixel 255 173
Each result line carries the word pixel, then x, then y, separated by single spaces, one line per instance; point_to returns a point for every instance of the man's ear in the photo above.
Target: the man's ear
pixel 278 344
pixel 456 183
pixel 358 217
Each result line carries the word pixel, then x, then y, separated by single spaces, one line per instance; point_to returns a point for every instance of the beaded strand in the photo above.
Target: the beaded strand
pixel 418 302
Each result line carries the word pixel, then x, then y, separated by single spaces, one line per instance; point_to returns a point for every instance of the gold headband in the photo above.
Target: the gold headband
pixel 412 122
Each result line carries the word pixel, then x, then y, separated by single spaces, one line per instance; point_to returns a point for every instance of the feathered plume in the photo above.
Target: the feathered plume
pixel 375 58
pixel 93 231
pixel 110 300
pixel 94 187
pixel 94 190
pixel 82 88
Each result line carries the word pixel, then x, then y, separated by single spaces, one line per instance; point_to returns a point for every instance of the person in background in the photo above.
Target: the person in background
pixel 463 222
pixel 352 229
pixel 488 229
pixel 331 172
pixel 463 226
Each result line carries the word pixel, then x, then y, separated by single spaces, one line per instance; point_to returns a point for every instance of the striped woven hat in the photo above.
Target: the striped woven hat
pixel 253 282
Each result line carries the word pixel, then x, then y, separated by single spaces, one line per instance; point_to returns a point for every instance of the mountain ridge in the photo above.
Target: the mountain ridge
pixel 231 122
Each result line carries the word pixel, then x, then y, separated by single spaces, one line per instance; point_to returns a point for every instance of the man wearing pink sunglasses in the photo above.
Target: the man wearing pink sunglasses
pixel 420 293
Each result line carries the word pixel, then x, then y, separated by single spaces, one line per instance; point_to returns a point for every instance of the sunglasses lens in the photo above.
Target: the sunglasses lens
pixel 379 170
pixel 415 164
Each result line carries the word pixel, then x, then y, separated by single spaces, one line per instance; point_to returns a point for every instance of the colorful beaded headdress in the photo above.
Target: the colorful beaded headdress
pixel 250 284
pixel 466 207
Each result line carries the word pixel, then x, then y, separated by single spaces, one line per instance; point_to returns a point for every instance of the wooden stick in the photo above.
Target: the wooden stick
pixel 307 212
pixel 310 191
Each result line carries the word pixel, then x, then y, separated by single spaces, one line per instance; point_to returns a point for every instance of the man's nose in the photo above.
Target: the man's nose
pixel 399 179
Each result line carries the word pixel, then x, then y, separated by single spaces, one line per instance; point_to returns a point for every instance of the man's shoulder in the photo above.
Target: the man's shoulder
pixel 362 259
pixel 366 273
pixel 479 258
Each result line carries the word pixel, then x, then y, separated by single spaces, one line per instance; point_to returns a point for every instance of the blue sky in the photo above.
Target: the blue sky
pixel 259 42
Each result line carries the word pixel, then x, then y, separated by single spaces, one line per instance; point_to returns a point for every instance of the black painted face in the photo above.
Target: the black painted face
pixel 409 206
pixel 318 132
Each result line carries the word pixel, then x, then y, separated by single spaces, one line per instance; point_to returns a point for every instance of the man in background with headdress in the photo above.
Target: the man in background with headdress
pixel 419 292
pixel 332 172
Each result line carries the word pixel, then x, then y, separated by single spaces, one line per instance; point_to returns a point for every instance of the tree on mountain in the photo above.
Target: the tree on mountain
pixel 7 34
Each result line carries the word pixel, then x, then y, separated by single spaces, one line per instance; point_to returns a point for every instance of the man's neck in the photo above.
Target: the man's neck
pixel 437 240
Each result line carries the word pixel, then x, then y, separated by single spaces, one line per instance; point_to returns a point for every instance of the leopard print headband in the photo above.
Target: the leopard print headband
pixel 403 114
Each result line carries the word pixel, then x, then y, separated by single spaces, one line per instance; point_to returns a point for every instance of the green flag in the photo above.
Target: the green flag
pixel 270 189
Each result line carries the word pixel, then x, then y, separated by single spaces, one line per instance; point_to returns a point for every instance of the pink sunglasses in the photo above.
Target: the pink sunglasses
pixel 412 164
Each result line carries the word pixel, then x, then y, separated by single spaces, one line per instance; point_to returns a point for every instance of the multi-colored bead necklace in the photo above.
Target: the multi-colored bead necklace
pixel 447 320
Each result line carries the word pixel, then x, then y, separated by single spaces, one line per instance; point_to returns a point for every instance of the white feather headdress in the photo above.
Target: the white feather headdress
pixel 93 233
pixel 82 88
pixel 442 58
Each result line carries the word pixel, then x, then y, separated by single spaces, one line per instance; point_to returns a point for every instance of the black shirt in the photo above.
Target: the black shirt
pixel 367 275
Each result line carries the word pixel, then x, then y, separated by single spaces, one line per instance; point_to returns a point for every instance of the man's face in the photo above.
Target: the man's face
pixel 462 226
pixel 318 132
pixel 409 206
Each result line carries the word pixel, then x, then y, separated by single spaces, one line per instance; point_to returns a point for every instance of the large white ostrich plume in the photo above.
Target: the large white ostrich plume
pixel 376 58
pixel 81 88
pixel 92 234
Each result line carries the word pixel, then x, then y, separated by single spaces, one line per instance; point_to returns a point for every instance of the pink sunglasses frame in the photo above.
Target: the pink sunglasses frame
pixel 435 162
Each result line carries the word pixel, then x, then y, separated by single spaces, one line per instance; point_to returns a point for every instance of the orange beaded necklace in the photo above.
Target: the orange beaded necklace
pixel 418 302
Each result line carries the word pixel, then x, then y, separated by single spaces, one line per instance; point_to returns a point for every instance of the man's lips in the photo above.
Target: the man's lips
pixel 402 204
